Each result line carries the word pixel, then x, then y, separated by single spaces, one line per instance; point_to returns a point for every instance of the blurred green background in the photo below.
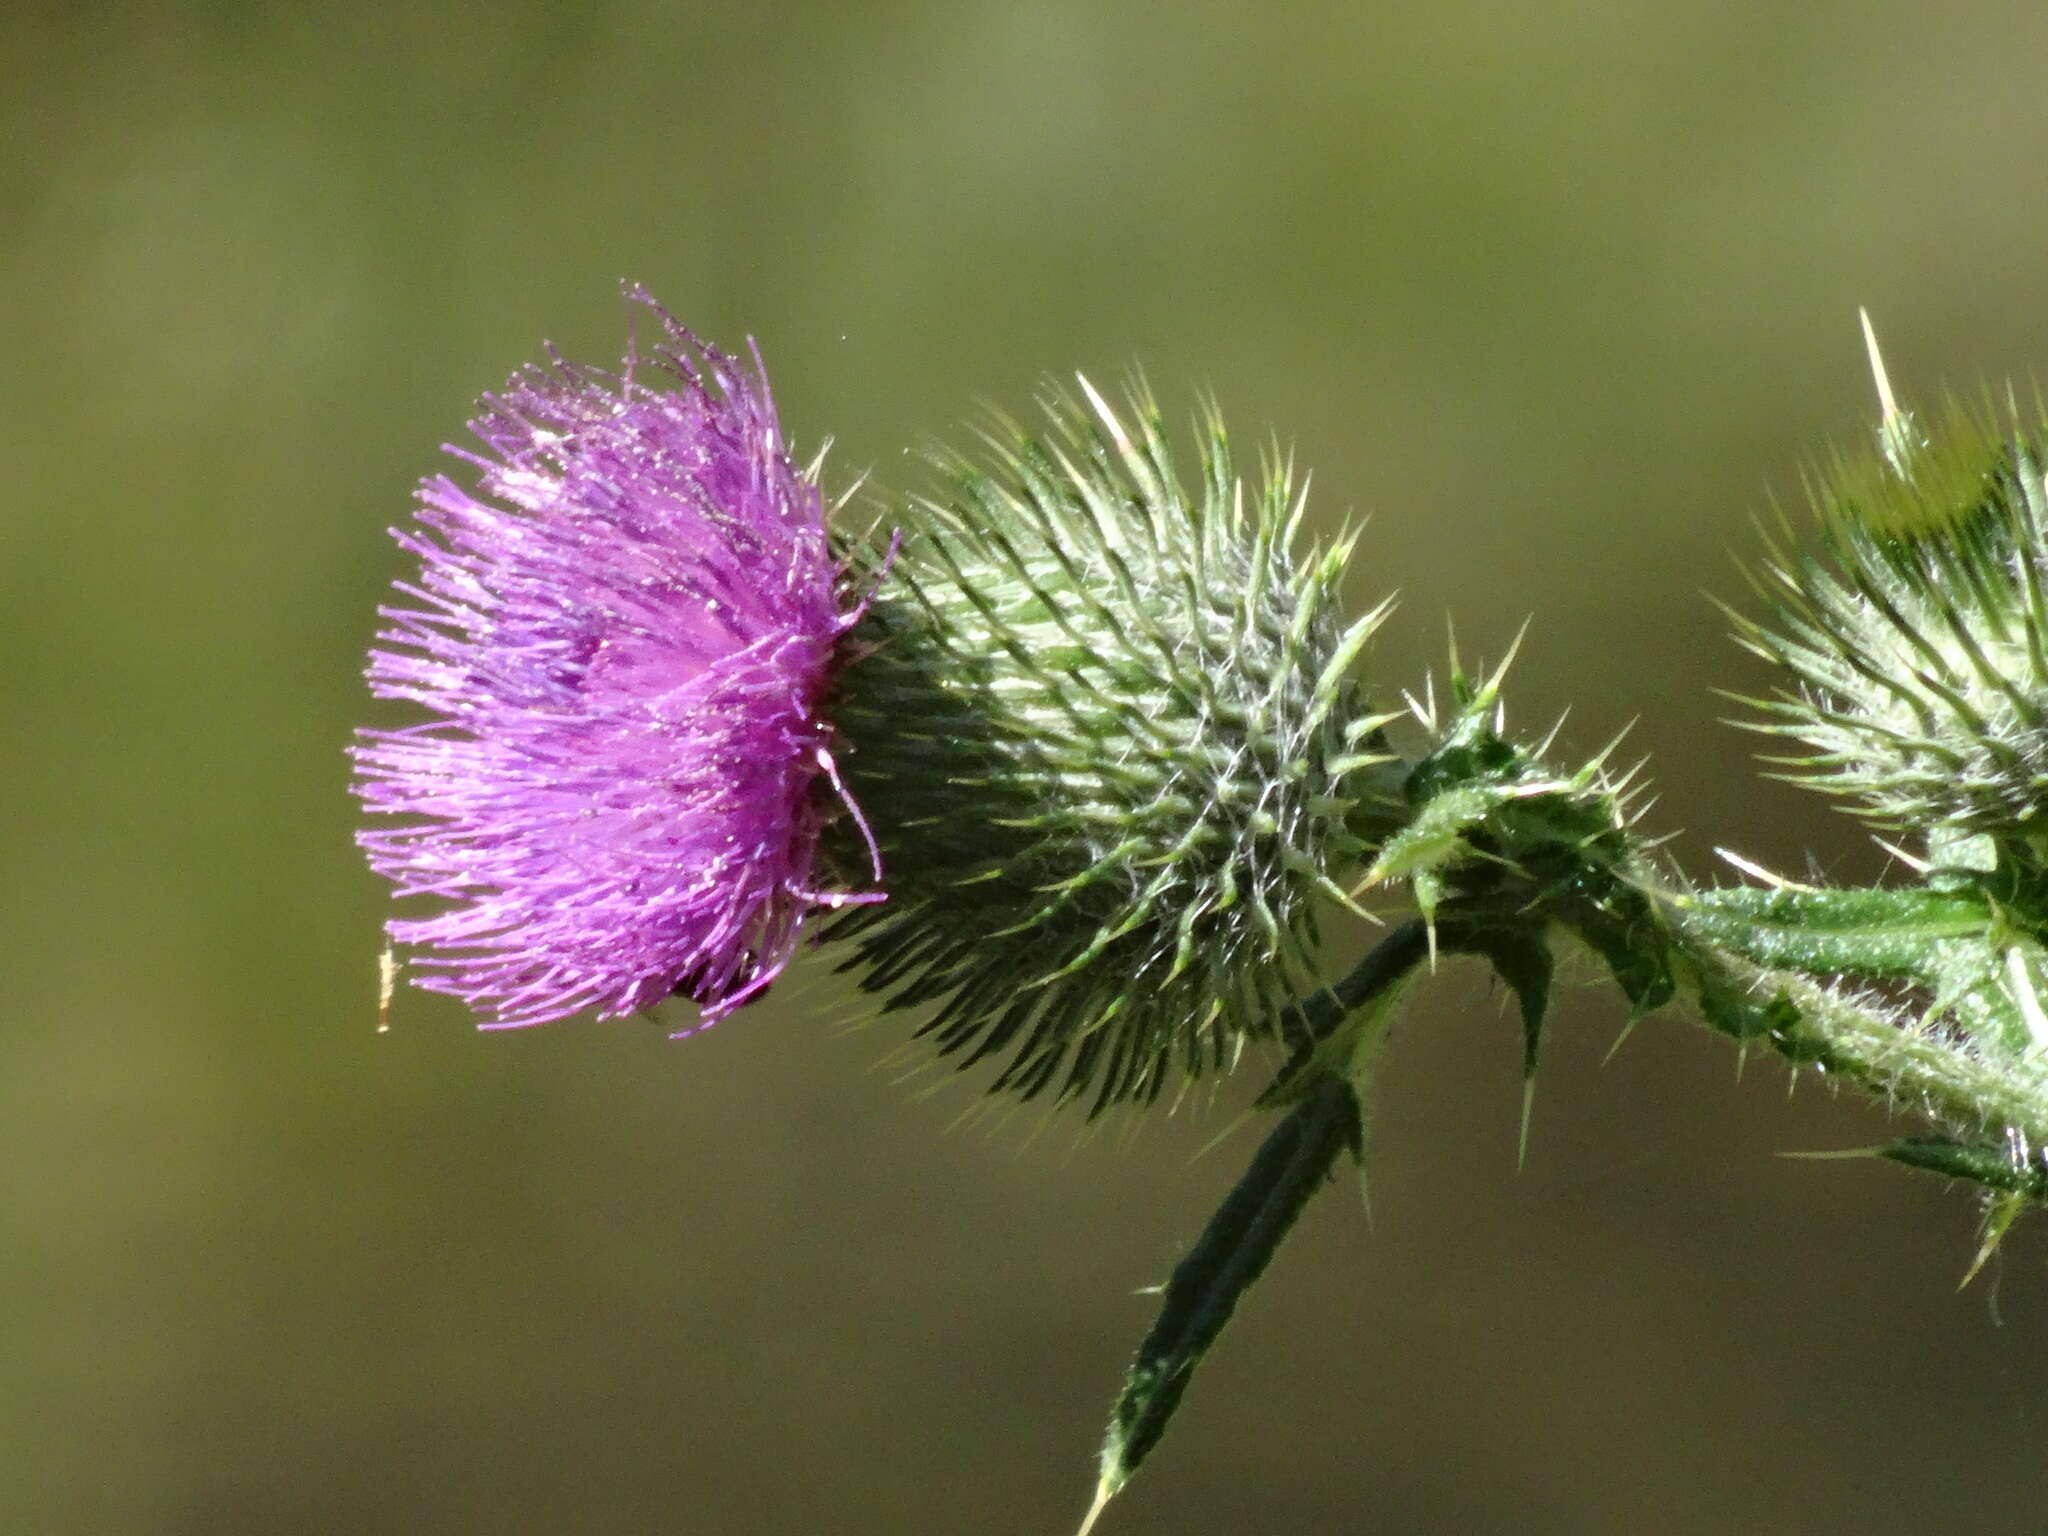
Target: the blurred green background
pixel 1558 295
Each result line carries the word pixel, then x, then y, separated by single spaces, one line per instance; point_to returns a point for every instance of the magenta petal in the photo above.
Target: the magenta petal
pixel 622 641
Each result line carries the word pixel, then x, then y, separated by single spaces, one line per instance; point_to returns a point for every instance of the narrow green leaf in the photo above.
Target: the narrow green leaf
pixel 1992 1167
pixel 1874 933
pixel 1636 951
pixel 1231 1254
pixel 1523 960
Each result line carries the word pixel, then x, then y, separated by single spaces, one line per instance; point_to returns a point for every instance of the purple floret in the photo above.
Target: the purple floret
pixel 623 641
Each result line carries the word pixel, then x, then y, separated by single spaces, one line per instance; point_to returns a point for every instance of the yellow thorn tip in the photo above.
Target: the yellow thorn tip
pixel 1103 1494
pixel 1887 405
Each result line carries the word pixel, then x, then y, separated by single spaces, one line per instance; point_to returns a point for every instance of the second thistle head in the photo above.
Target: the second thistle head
pixel 1108 734
pixel 1918 633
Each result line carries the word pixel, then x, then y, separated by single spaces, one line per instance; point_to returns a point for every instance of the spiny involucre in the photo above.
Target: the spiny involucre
pixel 1114 752
pixel 1918 634
pixel 622 643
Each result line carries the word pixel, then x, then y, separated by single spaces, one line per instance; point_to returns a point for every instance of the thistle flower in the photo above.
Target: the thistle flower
pixel 1918 634
pixel 1115 754
pixel 622 641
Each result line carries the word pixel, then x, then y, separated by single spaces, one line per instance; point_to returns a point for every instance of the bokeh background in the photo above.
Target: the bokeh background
pixel 1558 295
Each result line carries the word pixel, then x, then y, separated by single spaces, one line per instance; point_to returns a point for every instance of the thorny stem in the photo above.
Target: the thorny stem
pixel 1321 1013
pixel 1922 1066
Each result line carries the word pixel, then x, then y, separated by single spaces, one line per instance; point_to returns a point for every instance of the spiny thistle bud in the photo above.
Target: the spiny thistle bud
pixel 1919 634
pixel 1108 737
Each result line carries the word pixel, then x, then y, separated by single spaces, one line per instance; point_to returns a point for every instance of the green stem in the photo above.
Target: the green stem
pixel 1312 1023
pixel 1915 1064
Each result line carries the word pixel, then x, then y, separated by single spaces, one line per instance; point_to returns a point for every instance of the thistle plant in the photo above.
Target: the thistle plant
pixel 1073 756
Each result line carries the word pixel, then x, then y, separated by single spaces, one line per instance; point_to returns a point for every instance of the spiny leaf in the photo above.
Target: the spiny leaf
pixel 1992 1167
pixel 1231 1254
pixel 1521 957
pixel 1624 934
pixel 1433 837
pixel 1999 1216
pixel 1873 933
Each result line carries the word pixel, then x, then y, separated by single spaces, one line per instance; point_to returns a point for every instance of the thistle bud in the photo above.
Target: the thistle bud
pixel 1918 632
pixel 1108 737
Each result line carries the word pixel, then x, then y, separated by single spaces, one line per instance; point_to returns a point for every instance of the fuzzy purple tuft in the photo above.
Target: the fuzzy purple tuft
pixel 624 640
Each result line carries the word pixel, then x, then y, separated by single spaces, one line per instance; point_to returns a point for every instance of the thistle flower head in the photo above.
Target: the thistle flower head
pixel 1917 634
pixel 1114 751
pixel 621 640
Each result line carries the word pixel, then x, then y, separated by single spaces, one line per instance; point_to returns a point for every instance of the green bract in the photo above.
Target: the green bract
pixel 1108 738
pixel 1919 635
